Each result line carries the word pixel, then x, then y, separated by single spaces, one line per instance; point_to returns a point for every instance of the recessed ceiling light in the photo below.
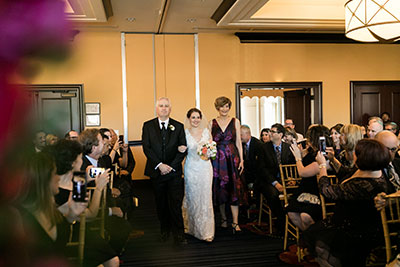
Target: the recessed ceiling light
pixel 131 19
pixel 191 20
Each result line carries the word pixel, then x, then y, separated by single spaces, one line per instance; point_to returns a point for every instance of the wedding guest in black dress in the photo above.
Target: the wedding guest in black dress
pixel 344 164
pixel 304 207
pixel 346 238
pixel 46 229
pixel 335 135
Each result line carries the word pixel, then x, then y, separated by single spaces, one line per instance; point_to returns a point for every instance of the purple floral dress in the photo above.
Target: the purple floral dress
pixel 228 186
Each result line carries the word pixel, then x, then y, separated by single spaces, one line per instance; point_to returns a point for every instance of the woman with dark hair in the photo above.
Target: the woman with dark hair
pixel 346 238
pixel 45 226
pixel 228 186
pixel 265 135
pixel 68 159
pixel 304 207
pixel 197 208
pixel 335 135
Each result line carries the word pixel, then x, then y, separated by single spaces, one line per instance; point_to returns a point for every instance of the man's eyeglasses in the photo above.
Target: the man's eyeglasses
pixel 272 131
pixel 393 149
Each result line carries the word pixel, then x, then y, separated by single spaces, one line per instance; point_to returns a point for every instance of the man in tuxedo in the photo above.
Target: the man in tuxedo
pixel 161 137
pixel 274 153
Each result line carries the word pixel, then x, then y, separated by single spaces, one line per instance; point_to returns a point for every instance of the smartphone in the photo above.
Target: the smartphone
pixel 121 138
pixel 303 144
pixel 79 189
pixel 96 171
pixel 322 145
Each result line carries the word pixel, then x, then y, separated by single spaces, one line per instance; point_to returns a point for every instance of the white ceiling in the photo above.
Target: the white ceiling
pixel 189 16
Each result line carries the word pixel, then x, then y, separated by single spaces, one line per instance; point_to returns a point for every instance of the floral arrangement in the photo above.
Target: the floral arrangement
pixel 207 151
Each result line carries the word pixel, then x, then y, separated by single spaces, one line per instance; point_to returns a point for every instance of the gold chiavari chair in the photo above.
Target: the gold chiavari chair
pixel 390 217
pixel 290 181
pixel 327 205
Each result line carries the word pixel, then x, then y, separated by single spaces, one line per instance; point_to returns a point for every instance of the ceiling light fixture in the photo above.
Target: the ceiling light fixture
pixel 131 19
pixel 191 20
pixel 373 20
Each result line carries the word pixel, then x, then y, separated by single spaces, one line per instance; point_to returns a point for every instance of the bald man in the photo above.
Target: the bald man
pixel 390 141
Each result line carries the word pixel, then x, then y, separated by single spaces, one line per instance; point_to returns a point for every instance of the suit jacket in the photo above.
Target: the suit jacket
pixel 152 147
pixel 251 165
pixel 269 163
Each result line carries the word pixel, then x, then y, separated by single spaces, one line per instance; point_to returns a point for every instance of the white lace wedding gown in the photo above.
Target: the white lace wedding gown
pixel 197 207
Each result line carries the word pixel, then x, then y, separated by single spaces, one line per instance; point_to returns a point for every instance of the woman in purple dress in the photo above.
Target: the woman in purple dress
pixel 228 187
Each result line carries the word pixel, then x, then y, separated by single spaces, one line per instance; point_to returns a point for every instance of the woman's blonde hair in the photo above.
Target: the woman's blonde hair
pixel 222 101
pixel 353 134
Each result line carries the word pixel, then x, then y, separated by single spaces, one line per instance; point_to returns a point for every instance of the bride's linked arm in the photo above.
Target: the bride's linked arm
pixel 239 145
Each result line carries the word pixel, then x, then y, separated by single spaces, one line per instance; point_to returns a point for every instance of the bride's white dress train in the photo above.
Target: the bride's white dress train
pixel 197 207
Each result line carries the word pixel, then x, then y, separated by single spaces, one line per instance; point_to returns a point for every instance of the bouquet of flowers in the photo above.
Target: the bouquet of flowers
pixel 207 150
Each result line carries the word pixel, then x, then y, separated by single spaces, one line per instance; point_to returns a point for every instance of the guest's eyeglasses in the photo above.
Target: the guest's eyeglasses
pixel 393 149
pixel 272 131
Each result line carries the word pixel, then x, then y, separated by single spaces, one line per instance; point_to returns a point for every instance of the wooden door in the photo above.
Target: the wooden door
pixel 373 98
pixel 298 108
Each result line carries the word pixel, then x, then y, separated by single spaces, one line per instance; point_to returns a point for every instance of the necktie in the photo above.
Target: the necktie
pixel 163 136
pixel 278 154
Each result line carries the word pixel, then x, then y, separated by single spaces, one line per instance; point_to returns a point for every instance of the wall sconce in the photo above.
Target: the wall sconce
pixel 373 20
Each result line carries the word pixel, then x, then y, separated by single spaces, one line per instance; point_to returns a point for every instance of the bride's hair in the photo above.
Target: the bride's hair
pixel 189 113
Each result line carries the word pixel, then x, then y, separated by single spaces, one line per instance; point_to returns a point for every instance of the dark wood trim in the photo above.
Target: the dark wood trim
pixel 317 96
pixel 108 8
pixel 270 37
pixel 222 9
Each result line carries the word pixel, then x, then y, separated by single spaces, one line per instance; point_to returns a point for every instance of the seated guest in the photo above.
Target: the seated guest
pixel 392 126
pixel 51 139
pixel 68 159
pixel 290 136
pixel 385 116
pixel 39 141
pixel 93 148
pixel 375 125
pixel 392 171
pixel 45 227
pixel 335 135
pixel 274 153
pixel 252 149
pixel 72 135
pixel 304 206
pixel 265 135
pixel 344 164
pixel 346 238
pixel 290 123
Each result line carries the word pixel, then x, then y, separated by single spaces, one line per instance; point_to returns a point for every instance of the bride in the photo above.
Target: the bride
pixel 197 208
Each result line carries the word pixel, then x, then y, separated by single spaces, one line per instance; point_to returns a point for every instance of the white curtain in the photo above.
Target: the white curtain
pixel 259 113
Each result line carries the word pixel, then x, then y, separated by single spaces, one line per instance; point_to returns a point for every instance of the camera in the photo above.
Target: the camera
pixel 322 145
pixel 121 139
pixel 96 171
pixel 79 189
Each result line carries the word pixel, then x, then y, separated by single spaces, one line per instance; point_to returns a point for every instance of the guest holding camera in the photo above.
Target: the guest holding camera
pixel 346 238
pixel 304 207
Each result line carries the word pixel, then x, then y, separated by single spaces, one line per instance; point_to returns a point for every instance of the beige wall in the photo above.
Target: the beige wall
pixel 223 60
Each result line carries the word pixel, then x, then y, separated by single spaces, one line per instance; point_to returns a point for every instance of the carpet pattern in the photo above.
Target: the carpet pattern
pixel 248 248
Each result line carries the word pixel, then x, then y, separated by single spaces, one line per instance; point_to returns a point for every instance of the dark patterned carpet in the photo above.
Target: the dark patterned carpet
pixel 245 249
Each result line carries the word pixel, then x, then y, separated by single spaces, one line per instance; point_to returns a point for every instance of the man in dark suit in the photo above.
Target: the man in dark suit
pixel 274 153
pixel 252 148
pixel 161 137
pixel 392 172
